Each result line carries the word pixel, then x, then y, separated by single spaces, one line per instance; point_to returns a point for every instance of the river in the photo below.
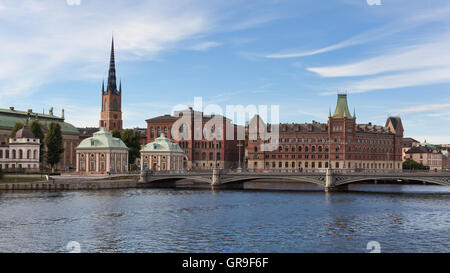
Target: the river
pixel 401 218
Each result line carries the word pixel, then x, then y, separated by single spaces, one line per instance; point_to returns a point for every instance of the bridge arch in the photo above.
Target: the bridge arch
pixel 242 179
pixel 443 181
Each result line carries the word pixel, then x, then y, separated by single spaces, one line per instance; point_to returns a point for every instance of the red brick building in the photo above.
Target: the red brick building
pixel 341 143
pixel 204 140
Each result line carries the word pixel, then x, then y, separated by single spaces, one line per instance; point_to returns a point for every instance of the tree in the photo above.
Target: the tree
pixel 410 164
pixel 36 129
pixel 54 144
pixel 16 128
pixel 116 133
pixel 132 139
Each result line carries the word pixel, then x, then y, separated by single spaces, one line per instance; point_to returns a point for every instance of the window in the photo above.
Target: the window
pixel 211 156
pixel 152 132
pixel 203 156
pixel 218 156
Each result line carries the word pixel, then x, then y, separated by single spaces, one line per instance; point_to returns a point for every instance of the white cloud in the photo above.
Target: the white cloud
pixel 426 108
pixel 371 35
pixel 427 55
pixel 205 46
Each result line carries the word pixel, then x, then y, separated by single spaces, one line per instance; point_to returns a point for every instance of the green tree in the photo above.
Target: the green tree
pixel 132 139
pixel 36 129
pixel 116 133
pixel 54 144
pixel 16 128
pixel 410 164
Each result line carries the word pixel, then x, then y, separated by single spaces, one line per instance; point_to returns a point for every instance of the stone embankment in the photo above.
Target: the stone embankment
pixel 72 183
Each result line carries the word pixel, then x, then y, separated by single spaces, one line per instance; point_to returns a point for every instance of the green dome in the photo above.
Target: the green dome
pixel 102 139
pixel 162 144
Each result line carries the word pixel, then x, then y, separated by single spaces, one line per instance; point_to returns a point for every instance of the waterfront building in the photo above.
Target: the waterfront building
pixel 101 154
pixel 200 152
pixel 427 155
pixel 162 155
pixel 9 117
pixel 340 144
pixel 408 143
pixel 21 152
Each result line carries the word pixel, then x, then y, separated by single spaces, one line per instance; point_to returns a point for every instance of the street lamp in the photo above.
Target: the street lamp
pixel 239 169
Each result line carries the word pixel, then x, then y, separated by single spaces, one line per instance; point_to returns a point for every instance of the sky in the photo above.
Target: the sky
pixel 392 57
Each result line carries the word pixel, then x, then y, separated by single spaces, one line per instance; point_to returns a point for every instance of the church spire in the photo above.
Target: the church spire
pixel 112 86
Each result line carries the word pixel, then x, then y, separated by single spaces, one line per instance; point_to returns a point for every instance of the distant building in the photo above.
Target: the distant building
pixel 21 152
pixel 199 152
pixel 9 117
pixel 408 143
pixel 101 154
pixel 427 155
pixel 162 155
pixel 340 144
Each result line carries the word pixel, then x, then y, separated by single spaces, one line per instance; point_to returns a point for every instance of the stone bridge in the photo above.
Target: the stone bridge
pixel 330 180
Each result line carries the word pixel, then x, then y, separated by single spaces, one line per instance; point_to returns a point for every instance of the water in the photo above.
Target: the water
pixel 414 219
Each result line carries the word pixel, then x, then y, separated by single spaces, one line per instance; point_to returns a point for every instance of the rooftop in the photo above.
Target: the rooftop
pixel 101 140
pixel 162 144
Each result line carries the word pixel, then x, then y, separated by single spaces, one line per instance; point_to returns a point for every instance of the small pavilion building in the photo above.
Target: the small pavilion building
pixel 102 154
pixel 21 152
pixel 162 155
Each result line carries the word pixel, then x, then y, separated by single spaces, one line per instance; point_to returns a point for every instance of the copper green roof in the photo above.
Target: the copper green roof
pixel 162 144
pixel 342 107
pixel 8 118
pixel 101 140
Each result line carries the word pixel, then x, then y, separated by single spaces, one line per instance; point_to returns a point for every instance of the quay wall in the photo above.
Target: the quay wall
pixel 69 185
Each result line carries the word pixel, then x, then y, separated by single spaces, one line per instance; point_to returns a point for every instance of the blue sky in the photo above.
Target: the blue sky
pixel 392 59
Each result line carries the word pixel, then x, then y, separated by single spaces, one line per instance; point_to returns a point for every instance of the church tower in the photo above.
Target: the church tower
pixel 111 114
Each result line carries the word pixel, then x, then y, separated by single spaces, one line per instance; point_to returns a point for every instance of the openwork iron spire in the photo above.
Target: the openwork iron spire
pixel 112 86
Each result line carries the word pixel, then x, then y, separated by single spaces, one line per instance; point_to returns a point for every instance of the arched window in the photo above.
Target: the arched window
pixel 203 156
pixel 35 154
pixel 115 105
pixel 28 154
pixel 211 156
pixel 106 105
pixel 299 148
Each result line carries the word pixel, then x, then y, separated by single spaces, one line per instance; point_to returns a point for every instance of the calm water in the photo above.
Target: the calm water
pixel 415 219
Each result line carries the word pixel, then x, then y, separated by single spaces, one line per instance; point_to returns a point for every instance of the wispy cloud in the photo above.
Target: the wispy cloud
pixel 426 108
pixel 370 35
pixel 205 45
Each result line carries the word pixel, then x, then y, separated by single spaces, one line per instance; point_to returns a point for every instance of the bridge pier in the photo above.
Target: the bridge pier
pixel 215 180
pixel 330 183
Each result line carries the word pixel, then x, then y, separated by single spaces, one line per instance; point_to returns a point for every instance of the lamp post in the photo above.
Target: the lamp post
pixel 239 169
